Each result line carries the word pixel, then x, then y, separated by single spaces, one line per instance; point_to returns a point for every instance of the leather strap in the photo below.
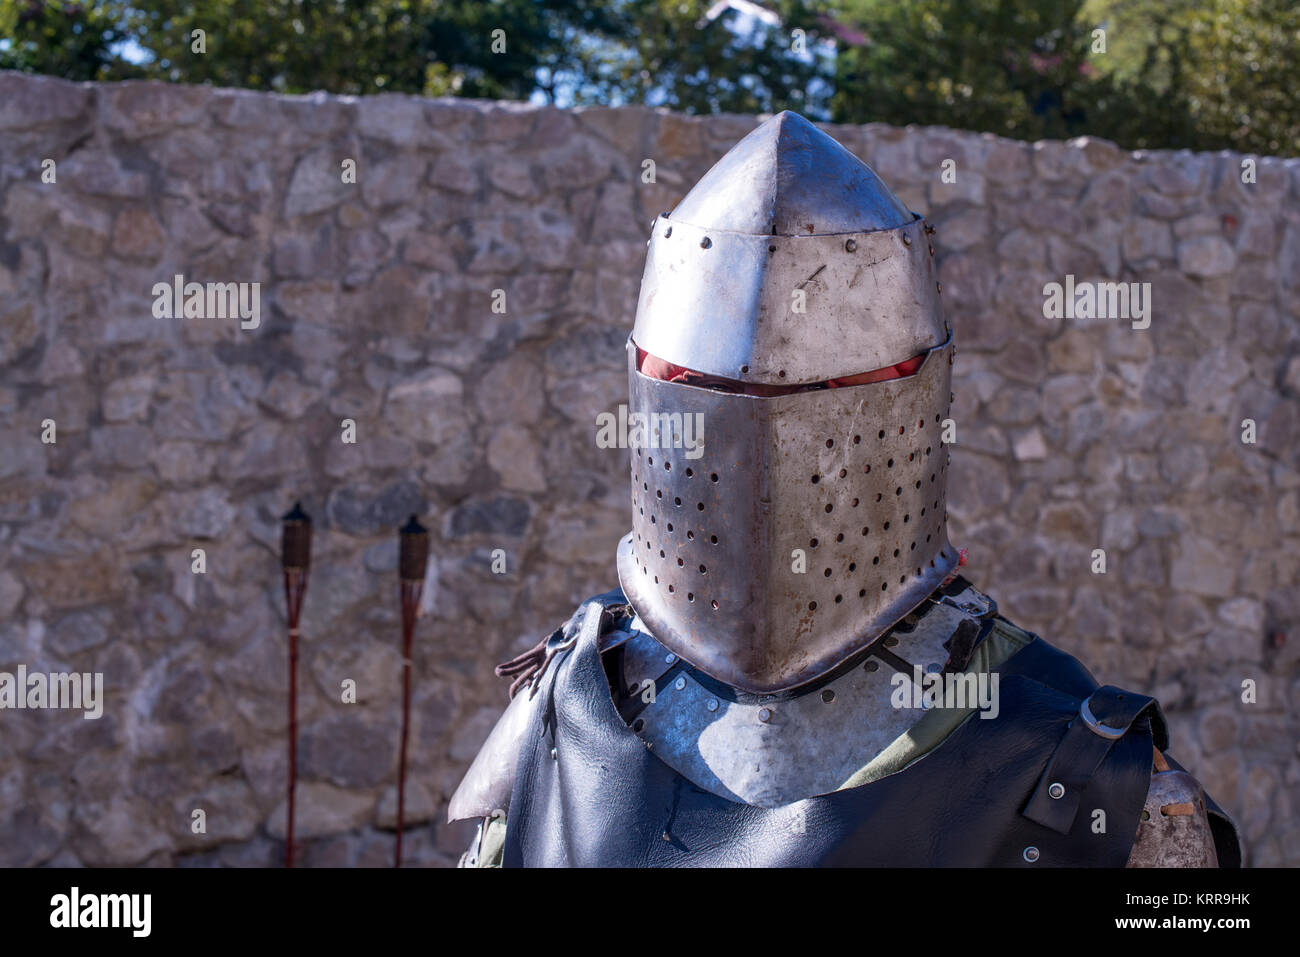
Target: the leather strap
pixel 1104 717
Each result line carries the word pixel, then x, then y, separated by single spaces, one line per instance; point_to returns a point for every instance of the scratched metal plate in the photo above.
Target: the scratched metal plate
pixel 727 309
pixel 808 745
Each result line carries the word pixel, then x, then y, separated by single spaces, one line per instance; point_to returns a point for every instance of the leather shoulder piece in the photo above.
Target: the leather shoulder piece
pixel 1105 716
pixel 485 789
pixel 1175 830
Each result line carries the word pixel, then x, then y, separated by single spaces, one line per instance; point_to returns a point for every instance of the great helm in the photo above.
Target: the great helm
pixel 813 517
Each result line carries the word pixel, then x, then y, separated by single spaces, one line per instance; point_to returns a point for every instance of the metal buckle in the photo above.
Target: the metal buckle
pixel 559 642
pixel 1095 726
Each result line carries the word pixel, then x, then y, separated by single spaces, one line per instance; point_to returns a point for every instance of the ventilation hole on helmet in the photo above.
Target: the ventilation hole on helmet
pixel 854 503
pixel 703 570
pixel 661 553
pixel 829 507
pixel 913 548
pixel 918 483
pixel 889 464
pixel 899 490
pixel 865 530
pixel 884 586
pixel 886 526
pixel 906 519
pixel 681 563
pixel 900 430
pixel 812 543
pixel 839 537
pixel 927 450
pixel 677 502
pixel 918 573
pixel 867 470
pixel 699 506
pixel 862 593
pixel 922 510
pixel 827 573
pixel 931 476
pixel 936 418
pixel 651 461
pixel 902 579
pixel 713 477
pixel 652 519
pixel 690 596
pixel 641 510
pixel 638 453
pixel 910 456
pixel 879 496
pixel 838 599
pixel 942 553
pixel 932 563
pixel 670 526
pixel 689 473
pixel 645 487
pixel 920 423
pixel 815 479
pixel 853 566
pixel 880 434
pixel 714 603
pixel 656 579
pixel 830 443
pixel 857 440
pixel 895 552
pixel 659 493
pixel 690 536
pixel 843 472
pixel 812 606
pixel 668 466
pixel 713 539
pixel 671 589
pixel 876 560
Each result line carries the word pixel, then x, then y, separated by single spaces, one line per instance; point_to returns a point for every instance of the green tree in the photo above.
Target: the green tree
pixel 1201 74
pixel 77 41
pixel 666 52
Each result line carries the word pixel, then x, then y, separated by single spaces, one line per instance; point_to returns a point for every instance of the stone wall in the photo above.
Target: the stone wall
pixel 377 307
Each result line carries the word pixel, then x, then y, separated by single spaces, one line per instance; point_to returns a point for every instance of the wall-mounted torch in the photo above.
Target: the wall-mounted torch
pixel 414 560
pixel 295 560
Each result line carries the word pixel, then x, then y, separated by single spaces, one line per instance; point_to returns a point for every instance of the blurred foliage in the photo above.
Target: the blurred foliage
pixel 1203 74
pixel 578 51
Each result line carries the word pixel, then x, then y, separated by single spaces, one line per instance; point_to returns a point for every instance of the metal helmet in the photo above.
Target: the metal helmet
pixel 809 517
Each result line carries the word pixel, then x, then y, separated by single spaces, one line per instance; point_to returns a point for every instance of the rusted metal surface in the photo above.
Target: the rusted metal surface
pixel 1175 827
pixel 850 482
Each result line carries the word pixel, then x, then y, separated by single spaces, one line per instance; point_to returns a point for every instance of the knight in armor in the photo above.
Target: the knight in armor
pixel 793 671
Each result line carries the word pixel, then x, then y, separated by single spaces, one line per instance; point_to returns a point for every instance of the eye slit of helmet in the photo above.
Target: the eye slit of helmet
pixel 655 368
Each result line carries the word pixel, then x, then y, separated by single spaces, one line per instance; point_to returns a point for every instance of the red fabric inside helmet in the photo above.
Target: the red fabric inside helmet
pixel 657 368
